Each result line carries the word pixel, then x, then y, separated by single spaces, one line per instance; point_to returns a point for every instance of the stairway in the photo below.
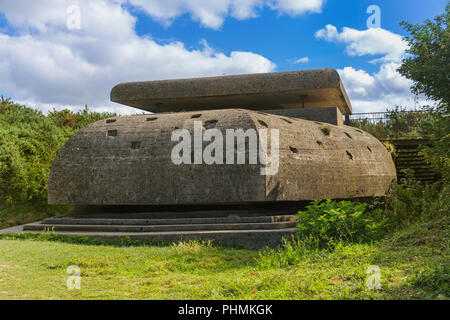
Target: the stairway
pixel 227 228
pixel 407 156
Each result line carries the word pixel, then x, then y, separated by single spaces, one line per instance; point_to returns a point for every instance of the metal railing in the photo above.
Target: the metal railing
pixel 385 117
pixel 393 124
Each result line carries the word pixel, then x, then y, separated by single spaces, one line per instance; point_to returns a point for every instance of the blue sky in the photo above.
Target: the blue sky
pixel 46 64
pixel 282 38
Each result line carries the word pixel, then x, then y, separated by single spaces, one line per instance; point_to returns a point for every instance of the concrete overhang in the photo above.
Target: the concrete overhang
pixel 260 91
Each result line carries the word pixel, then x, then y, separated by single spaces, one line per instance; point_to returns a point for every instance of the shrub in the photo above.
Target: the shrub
pixel 411 201
pixel 72 122
pixel 436 126
pixel 29 142
pixel 344 221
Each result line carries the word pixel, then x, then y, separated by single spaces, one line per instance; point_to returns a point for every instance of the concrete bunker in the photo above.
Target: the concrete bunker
pixel 125 162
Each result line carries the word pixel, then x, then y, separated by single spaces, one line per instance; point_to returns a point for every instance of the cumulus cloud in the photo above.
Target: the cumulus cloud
pixel 382 89
pixel 45 63
pixel 301 60
pixel 212 13
pixel 375 41
pixel 379 91
pixel 297 7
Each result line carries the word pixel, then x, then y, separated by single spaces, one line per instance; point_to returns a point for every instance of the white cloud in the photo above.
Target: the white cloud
pixel 47 64
pixel 297 7
pixel 212 13
pixel 102 18
pixel 366 42
pixel 301 60
pixel 383 89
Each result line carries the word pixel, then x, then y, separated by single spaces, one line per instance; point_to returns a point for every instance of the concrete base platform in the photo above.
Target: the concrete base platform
pixel 252 232
pixel 12 230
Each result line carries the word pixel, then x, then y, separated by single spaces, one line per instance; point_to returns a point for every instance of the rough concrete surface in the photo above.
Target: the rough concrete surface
pixel 12 230
pixel 261 91
pixel 127 161
pixel 330 115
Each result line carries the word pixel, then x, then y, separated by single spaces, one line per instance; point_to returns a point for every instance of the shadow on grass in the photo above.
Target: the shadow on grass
pixel 188 256
pixel 122 241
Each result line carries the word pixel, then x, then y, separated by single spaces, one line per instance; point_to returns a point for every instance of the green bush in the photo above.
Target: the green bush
pixel 436 126
pixel 344 221
pixel 29 142
pixel 71 122
pixel 412 201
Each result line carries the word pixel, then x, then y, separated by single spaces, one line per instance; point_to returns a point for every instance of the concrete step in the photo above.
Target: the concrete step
pixel 243 229
pixel 130 214
pixel 159 228
pixel 65 220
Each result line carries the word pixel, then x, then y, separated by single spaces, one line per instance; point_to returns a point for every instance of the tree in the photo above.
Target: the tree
pixel 428 65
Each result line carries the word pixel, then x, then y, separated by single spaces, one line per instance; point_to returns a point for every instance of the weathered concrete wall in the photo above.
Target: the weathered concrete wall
pixel 260 91
pixel 127 161
pixel 330 115
pixel 345 163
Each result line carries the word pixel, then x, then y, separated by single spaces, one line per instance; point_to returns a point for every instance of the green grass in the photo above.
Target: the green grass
pixel 413 263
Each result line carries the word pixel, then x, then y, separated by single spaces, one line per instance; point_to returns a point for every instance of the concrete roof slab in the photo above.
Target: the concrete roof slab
pixel 260 91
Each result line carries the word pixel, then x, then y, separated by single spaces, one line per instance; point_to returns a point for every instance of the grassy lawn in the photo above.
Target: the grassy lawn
pixel 413 263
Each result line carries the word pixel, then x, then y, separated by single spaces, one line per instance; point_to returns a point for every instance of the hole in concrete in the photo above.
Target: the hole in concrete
pixel 263 123
pixel 111 120
pixel 195 116
pixel 152 119
pixel 176 128
pixel 325 130
pixel 368 148
pixel 210 124
pixel 348 135
pixel 293 150
pixel 359 131
pixel 288 121
pixel 320 144
pixel 112 133
pixel 135 145
pixel 350 156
